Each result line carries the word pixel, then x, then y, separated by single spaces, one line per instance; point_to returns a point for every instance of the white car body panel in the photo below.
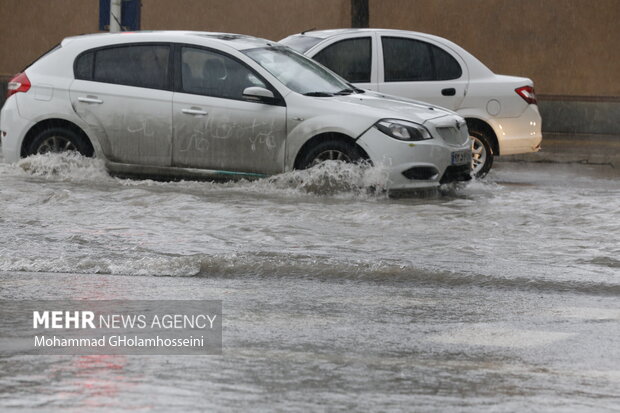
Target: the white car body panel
pixel 258 132
pixel 133 124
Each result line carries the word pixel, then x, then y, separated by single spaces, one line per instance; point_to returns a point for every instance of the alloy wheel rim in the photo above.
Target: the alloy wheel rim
pixel 478 154
pixel 56 144
pixel 330 155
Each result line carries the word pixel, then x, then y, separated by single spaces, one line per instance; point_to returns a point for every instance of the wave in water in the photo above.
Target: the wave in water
pixel 296 266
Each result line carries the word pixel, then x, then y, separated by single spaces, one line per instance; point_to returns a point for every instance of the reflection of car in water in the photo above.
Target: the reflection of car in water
pixel 216 105
pixel 501 111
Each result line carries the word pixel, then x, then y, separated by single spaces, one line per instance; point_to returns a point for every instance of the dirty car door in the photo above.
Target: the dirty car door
pixel 124 94
pixel 215 127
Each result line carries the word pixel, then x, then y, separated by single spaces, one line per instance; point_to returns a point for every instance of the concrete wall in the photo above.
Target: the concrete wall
pixel 271 19
pixel 580 116
pixel 31 27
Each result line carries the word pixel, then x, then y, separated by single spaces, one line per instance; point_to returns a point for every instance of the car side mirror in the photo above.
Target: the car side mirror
pixel 258 94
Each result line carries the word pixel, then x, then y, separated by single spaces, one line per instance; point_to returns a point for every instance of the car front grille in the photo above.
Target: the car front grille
pixel 453 135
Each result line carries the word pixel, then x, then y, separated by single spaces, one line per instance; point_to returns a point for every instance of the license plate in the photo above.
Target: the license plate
pixel 461 157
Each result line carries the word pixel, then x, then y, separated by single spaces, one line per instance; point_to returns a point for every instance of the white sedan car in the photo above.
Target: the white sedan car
pixel 213 105
pixel 501 111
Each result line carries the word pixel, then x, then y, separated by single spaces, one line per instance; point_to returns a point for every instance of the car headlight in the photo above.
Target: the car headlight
pixel 403 130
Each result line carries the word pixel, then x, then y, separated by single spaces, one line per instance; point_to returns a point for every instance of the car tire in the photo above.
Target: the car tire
pixel 482 154
pixel 330 151
pixel 58 139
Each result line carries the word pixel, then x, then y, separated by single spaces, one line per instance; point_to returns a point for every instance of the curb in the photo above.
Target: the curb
pixel 590 149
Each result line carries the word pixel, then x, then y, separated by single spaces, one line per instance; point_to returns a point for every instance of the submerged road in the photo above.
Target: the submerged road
pixel 500 295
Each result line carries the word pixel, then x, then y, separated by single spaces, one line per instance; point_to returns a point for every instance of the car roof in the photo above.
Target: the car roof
pixel 324 34
pixel 237 41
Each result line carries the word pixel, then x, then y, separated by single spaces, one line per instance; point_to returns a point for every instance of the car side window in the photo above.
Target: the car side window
pixel 350 58
pixel 406 60
pixel 446 66
pixel 134 65
pixel 204 72
pixel 131 65
pixel 84 66
pixel 409 60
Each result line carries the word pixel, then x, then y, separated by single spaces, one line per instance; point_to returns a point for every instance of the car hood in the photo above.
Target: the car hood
pixel 391 106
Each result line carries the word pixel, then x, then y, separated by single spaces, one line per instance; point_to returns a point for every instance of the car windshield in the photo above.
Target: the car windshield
pixel 299 73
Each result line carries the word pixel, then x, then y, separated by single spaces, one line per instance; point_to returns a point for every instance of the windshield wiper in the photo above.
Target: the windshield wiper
pixel 350 90
pixel 319 94
pixel 344 92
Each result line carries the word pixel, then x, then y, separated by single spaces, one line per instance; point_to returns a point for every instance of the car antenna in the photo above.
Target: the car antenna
pixel 308 30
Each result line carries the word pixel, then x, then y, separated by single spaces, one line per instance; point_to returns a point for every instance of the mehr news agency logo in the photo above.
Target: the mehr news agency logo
pixel 88 321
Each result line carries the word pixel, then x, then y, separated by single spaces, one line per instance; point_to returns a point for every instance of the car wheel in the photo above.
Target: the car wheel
pixel 56 140
pixel 482 154
pixel 330 151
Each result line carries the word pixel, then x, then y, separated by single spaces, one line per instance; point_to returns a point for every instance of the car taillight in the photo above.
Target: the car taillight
pixel 527 93
pixel 20 83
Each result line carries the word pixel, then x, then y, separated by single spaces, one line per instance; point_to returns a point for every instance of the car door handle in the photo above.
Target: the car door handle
pixel 448 91
pixel 90 99
pixel 195 112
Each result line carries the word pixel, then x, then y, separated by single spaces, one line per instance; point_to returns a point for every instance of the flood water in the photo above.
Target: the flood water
pixel 499 295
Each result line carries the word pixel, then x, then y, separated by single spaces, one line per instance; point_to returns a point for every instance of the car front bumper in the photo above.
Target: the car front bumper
pixel 417 164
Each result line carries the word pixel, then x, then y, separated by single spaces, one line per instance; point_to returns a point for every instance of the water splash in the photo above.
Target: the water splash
pixel 331 178
pixel 66 166
pixel 334 178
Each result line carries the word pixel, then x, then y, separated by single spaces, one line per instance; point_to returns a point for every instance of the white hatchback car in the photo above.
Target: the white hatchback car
pixel 501 111
pixel 214 105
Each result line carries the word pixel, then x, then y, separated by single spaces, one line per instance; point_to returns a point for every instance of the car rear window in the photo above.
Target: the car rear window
pixel 409 60
pixel 131 65
pixel 350 58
